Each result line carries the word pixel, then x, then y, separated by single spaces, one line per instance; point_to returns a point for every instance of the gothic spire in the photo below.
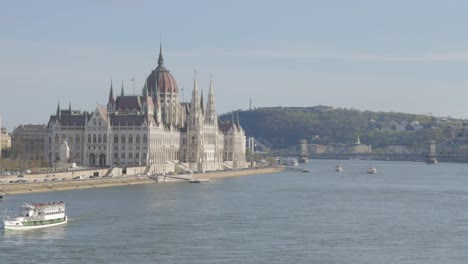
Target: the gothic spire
pixel 232 119
pixel 195 95
pixel 58 115
pixel 210 105
pixel 122 91
pixel 201 102
pixel 160 59
pixel 69 107
pixel 111 93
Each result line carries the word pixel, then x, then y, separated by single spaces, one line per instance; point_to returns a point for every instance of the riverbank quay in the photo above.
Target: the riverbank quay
pixel 50 186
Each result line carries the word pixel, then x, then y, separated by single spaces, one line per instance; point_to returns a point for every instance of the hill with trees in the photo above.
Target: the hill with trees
pixel 283 127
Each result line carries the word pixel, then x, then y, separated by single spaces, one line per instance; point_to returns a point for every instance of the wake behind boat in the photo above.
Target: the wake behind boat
pixel 34 216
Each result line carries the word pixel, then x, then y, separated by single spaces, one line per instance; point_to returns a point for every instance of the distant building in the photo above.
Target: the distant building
pixel 416 125
pixel 358 148
pixel 396 150
pixel 27 142
pixel 317 149
pixel 323 108
pixel 5 141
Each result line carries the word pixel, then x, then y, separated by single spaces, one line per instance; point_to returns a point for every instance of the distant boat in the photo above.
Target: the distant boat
pixel 305 170
pixel 199 180
pixel 371 170
pixel 338 168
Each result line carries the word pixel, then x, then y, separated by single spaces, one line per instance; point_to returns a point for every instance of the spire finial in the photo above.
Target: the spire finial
pixel 69 107
pixel 160 59
pixel 58 115
pixel 195 83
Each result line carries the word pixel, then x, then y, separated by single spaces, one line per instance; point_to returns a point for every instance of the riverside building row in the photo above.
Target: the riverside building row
pixel 153 129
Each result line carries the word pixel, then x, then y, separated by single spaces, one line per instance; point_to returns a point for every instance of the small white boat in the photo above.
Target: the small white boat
pixel 338 168
pixel 371 170
pixel 34 216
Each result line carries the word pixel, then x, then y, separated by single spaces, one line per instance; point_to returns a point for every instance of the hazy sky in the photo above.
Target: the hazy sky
pixel 404 56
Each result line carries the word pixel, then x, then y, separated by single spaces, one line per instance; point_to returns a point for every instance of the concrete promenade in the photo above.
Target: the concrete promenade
pixel 21 188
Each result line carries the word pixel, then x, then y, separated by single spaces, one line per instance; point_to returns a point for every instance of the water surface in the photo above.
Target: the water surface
pixel 406 213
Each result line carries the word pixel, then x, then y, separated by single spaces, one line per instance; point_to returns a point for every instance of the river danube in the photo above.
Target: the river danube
pixel 405 213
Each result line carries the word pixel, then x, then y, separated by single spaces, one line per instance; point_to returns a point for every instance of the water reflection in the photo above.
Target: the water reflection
pixel 21 237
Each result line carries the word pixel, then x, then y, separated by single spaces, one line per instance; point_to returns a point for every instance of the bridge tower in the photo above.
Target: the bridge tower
pixel 304 153
pixel 431 157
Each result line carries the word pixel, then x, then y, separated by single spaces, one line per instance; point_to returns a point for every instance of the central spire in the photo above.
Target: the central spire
pixel 160 60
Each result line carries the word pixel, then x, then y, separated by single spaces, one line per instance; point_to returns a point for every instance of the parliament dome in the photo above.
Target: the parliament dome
pixel 162 77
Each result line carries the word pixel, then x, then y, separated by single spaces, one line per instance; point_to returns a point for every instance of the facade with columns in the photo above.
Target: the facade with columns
pixel 154 129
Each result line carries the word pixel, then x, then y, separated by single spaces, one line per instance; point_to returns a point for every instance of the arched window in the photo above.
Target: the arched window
pixel 116 139
pixel 89 138
pixel 94 138
pixel 78 139
pixel 105 138
pixel 56 139
pixel 138 139
pixel 122 140
pixel 145 139
pixel 99 139
pixel 130 139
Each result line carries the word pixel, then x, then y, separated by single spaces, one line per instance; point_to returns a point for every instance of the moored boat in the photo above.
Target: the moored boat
pixel 371 170
pixel 34 216
pixel 199 180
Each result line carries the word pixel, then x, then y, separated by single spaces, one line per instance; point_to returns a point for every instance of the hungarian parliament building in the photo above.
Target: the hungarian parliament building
pixel 152 129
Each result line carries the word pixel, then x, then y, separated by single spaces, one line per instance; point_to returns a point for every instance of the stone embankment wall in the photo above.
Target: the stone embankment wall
pixel 68 184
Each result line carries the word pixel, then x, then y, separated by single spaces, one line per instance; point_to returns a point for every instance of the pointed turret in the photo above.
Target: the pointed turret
pixel 195 87
pixel 111 101
pixel 69 107
pixel 210 105
pixel 160 59
pixel 148 104
pixel 58 114
pixel 122 91
pixel 196 110
pixel 111 94
pixel 201 102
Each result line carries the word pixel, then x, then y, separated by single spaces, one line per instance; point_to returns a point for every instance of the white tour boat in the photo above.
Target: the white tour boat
pixel 371 170
pixel 40 215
